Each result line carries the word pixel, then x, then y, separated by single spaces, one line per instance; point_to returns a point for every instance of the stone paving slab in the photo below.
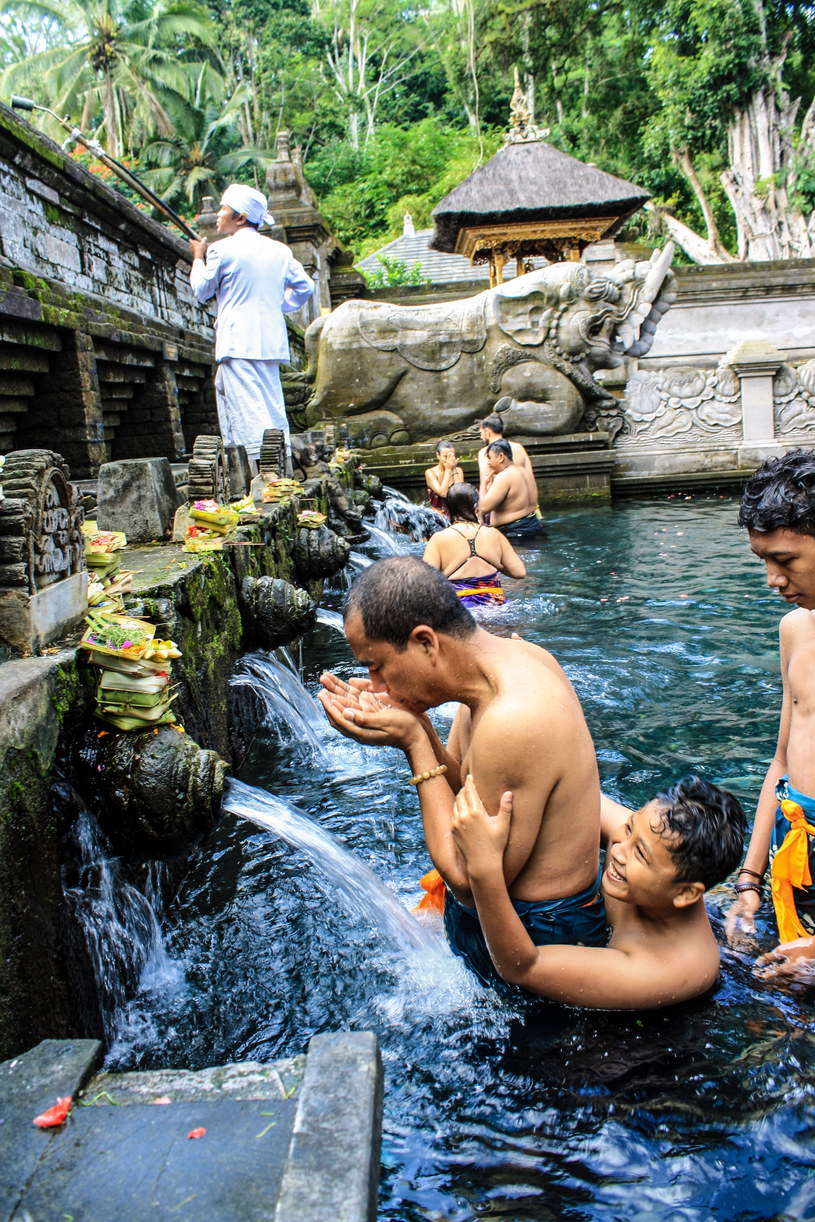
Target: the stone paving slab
pixel 138 1161
pixel 29 1084
pixel 296 1140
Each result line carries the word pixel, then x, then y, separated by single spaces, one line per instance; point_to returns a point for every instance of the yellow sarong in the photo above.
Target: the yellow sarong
pixel 790 869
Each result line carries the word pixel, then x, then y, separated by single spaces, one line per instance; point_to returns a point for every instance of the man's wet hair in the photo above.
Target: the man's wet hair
pixel 444 444
pixel 780 495
pixel 462 503
pixel 500 446
pixel 494 423
pixel 393 596
pixel 709 825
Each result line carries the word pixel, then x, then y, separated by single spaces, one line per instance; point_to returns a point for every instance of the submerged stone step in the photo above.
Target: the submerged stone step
pixel 292 1141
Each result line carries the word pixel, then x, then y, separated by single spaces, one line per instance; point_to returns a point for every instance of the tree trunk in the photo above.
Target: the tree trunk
pixel 694 246
pixel 768 227
pixel 716 252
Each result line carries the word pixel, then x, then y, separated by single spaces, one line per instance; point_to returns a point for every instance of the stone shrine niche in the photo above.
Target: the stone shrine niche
pixel 43 579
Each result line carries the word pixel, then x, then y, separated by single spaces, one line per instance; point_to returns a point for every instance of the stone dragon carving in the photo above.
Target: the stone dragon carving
pixel 401 374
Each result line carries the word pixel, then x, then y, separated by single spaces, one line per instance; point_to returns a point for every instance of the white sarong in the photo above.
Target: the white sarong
pixel 250 400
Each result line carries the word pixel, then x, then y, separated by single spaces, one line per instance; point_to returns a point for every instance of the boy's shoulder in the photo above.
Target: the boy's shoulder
pixel 798 622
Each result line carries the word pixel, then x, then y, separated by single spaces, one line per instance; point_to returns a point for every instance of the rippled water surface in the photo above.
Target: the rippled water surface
pixel 661 618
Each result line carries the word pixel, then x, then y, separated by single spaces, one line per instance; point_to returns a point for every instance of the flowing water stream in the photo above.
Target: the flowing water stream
pixel 293 921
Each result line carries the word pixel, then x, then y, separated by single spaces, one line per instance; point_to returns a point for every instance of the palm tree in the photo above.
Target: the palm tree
pixel 201 153
pixel 118 62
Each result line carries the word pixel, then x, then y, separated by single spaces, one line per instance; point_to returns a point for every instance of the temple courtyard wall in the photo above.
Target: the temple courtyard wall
pixel 104 352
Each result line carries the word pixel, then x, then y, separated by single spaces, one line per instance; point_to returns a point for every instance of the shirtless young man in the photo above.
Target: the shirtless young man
pixel 491 428
pixel 520 727
pixel 660 860
pixel 507 498
pixel 778 509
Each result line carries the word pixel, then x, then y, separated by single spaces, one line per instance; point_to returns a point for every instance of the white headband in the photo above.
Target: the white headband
pixel 249 202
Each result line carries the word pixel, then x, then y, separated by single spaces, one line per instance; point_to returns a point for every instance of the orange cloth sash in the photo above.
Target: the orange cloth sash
pixel 432 884
pixel 790 869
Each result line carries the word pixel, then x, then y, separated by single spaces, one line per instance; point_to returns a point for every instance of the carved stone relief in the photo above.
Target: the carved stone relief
pixel 695 404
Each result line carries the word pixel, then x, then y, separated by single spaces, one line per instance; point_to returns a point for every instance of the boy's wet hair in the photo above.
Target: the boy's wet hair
pixel 780 495
pixel 494 423
pixel 462 503
pixel 444 444
pixel 500 446
pixel 393 596
pixel 710 826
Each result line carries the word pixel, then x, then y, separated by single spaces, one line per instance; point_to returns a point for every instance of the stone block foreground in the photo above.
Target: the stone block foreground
pixel 292 1141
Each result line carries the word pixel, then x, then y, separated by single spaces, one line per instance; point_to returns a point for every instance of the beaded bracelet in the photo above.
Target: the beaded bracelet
pixel 740 887
pixel 425 776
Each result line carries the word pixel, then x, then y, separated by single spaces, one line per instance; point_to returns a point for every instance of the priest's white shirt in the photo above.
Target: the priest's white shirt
pixel 255 281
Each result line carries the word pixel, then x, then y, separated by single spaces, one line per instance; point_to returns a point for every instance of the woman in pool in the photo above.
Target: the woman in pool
pixel 441 478
pixel 472 556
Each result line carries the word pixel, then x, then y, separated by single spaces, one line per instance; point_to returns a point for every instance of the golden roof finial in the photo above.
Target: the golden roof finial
pixel 521 129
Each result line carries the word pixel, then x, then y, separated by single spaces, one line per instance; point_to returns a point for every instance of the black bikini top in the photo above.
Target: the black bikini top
pixel 471 544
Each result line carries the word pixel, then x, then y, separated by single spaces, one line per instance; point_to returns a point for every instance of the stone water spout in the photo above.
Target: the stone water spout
pixel 402 374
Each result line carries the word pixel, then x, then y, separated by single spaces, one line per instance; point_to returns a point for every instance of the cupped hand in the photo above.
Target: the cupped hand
pixel 362 715
pixel 480 836
pixel 789 959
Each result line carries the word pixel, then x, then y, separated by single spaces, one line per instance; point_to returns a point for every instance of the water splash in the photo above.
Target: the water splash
pixel 400 517
pixel 356 561
pixel 355 886
pixel 119 925
pixel 383 541
pixel 331 619
pixel 289 708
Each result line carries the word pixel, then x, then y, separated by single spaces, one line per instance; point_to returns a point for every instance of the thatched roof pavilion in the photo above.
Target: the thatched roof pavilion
pixel 532 199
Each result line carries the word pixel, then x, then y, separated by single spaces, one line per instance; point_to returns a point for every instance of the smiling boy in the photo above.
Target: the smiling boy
pixel 660 860
pixel 778 510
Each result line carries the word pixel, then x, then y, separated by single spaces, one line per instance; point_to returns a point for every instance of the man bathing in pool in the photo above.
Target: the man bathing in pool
pixel 520 727
pixel 660 860
pixel 778 509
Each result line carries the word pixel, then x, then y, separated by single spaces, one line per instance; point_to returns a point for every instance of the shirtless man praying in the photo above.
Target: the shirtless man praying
pixel 507 497
pixel 520 727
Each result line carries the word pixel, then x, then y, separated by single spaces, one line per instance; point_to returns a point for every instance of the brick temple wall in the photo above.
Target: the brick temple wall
pixel 104 351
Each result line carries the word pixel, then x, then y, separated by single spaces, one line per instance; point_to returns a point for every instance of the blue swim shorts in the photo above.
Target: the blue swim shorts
pixel 803 897
pixel 576 920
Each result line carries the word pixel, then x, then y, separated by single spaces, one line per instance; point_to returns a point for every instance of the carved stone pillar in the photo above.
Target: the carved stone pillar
pixel 756 362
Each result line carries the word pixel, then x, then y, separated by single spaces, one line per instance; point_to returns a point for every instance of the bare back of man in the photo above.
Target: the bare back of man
pixel 532 726
pixel 520 459
pixel 508 497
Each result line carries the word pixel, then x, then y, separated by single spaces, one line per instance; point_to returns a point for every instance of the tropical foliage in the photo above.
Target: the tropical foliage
pixel 706 103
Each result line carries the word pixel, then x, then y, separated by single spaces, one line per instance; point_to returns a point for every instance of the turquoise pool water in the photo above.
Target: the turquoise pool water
pixel 662 620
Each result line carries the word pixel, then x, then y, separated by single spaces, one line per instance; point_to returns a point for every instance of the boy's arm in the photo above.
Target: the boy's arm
pixel 612 815
pixel 740 916
pixel 594 976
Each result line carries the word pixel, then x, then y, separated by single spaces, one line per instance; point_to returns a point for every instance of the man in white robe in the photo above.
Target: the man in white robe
pixel 255 281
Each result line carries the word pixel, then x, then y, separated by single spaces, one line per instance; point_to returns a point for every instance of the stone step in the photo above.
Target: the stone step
pixel 291 1141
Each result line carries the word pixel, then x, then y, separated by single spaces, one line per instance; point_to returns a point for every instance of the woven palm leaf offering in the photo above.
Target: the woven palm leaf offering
pixel 133 689
pixel 310 518
pixel 279 491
